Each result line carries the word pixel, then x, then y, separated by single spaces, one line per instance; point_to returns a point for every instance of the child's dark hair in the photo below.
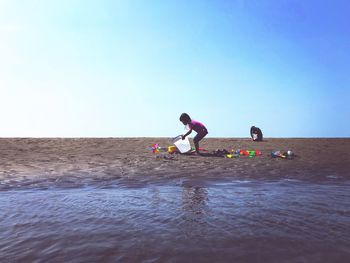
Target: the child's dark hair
pixel 185 118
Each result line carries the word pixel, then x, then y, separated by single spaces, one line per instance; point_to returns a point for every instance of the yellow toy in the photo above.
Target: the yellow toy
pixel 172 149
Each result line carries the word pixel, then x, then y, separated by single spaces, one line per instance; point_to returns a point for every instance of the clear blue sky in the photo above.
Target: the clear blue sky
pixel 80 68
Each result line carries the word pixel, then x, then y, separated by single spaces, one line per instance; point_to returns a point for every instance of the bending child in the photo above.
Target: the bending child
pixel 256 133
pixel 196 126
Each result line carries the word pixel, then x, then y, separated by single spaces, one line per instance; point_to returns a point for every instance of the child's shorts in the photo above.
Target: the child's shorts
pixel 200 135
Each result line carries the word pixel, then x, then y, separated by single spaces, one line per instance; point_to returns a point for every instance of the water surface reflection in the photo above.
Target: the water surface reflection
pixel 252 221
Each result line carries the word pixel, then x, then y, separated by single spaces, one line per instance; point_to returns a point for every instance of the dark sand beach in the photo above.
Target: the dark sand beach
pixel 113 200
pixel 84 160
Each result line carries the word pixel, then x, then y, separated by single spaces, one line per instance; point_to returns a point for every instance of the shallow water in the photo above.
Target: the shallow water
pixel 178 221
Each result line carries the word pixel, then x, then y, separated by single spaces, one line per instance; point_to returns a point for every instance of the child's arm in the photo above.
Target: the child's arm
pixel 184 136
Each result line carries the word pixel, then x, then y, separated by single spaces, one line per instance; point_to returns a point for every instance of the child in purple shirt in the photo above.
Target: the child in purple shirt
pixel 196 126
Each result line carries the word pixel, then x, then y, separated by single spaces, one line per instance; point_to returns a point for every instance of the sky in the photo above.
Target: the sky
pixel 111 68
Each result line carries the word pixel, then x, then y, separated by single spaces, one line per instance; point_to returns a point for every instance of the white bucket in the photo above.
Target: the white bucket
pixel 183 145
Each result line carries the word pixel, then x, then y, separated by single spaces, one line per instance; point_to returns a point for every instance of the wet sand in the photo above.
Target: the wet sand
pixel 25 161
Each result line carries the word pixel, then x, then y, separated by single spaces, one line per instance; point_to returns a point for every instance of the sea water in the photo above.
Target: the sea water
pixel 177 221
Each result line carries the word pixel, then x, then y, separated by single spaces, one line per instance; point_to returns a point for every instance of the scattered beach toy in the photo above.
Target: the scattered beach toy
pixel 172 149
pixel 156 148
pixel 285 155
pixel 254 153
pixel 249 153
pixel 290 153
pixel 276 154
pixel 244 152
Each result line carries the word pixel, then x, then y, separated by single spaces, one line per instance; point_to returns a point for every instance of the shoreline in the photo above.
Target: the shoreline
pixel 266 139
